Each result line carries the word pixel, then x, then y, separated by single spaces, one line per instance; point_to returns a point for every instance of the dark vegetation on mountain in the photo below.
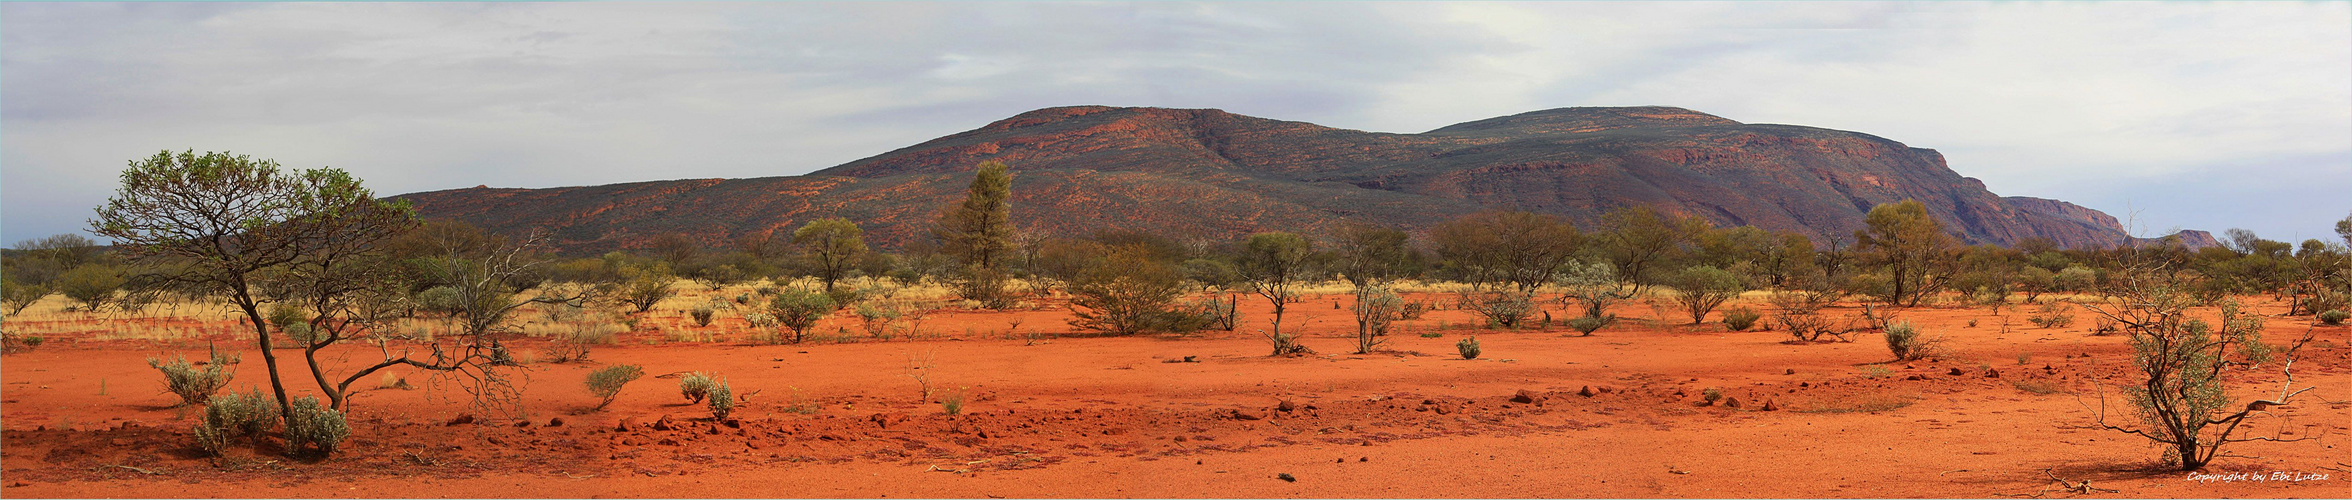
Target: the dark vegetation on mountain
pixel 1208 174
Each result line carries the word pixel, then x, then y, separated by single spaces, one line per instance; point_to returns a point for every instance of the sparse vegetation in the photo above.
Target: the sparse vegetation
pixel 2052 314
pixel 695 387
pixel 230 416
pixel 2333 317
pixel 315 427
pixel 798 310
pixel 1740 319
pixel 1907 344
pixel 1589 324
pixel 1468 347
pixel 192 384
pixel 722 401
pixel 606 382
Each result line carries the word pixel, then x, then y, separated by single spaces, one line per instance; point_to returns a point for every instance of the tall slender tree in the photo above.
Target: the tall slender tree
pixel 1273 264
pixel 978 233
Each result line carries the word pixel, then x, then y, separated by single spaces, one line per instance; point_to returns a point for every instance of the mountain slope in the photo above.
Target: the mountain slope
pixel 1204 173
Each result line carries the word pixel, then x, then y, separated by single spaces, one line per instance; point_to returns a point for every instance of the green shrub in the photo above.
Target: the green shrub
pixel 876 319
pixel 695 386
pixel 1590 324
pixel 230 416
pixel 1740 318
pixel 2053 314
pixel 952 403
pixel 1469 347
pixel 843 297
pixel 1905 342
pixel 702 316
pixel 799 310
pixel 195 385
pixel 2333 317
pixel 1711 395
pixel 315 426
pixel 1504 310
pixel 18 296
pixel 722 401
pixel 606 383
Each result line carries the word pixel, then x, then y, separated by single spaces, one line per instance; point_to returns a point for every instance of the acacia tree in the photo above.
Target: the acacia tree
pixel 2179 396
pixel 1370 258
pixel 228 224
pixel 1905 239
pixel 1638 241
pixel 831 247
pixel 978 233
pixel 1127 292
pixel 1273 264
pixel 1506 248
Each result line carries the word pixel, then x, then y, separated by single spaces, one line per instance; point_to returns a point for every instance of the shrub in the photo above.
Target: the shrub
pixel 695 386
pixel 18 296
pixel 1905 342
pixel 230 416
pixel 575 341
pixel 194 385
pixel 1413 310
pixel 1701 288
pixel 844 297
pixel 953 403
pixel 1376 308
pixel 2053 314
pixel 702 316
pixel 1740 318
pixel 1469 347
pixel 1501 309
pixel 2334 317
pixel 1590 324
pixel 606 383
pixel 1711 395
pixel 1127 292
pixel 93 285
pixel 876 319
pixel 315 426
pixel 799 310
pixel 722 401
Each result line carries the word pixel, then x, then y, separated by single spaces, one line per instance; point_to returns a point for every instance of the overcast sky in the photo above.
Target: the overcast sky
pixel 2171 115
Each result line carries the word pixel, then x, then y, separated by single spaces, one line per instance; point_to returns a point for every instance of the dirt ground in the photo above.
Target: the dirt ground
pixel 1542 413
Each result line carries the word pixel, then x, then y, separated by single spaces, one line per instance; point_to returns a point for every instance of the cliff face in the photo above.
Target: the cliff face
pixel 1212 174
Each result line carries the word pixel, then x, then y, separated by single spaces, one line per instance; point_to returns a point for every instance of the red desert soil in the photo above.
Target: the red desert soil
pixel 1541 414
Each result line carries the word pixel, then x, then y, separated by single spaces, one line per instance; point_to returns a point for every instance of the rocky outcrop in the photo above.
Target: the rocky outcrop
pixel 1205 173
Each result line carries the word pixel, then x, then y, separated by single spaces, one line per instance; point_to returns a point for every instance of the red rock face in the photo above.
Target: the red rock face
pixel 1212 175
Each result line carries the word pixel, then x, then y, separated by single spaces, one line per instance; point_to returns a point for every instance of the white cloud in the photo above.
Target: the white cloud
pixel 2063 100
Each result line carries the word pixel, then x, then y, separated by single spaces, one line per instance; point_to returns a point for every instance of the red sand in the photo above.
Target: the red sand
pixel 1112 417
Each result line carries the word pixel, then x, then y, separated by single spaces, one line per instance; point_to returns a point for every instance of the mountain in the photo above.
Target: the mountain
pixel 1205 173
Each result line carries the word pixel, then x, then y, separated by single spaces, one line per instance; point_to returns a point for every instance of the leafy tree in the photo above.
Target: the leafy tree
pixel 831 247
pixel 674 248
pixel 1370 258
pixel 1638 241
pixel 18 296
pixel 2179 394
pixel 1127 292
pixel 1700 289
pixel 646 284
pixel 1595 284
pixel 1273 265
pixel 799 310
pixel 92 285
pixel 1506 248
pixel 1063 260
pixel 225 224
pixel 978 234
pixel 1905 240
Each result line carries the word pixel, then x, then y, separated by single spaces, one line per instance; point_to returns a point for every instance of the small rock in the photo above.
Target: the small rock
pixel 662 424
pixel 1286 406
pixel 1771 405
pixel 1731 402
pixel 1587 391
pixel 626 424
pixel 732 423
pixel 885 420
pixel 1956 372
pixel 461 420
pixel 1286 477
pixel 1791 371
pixel 1239 414
pixel 522 423
pixel 1915 377
pixel 1363 459
pixel 1525 396
pixel 555 422
pixel 1992 373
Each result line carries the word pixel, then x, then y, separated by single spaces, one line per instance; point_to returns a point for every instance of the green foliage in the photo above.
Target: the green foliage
pixel 606 383
pixel 1589 324
pixel 195 385
pixel 798 310
pixel 702 316
pixel 1272 265
pixel 2052 314
pixel 18 296
pixel 92 285
pixel 1596 285
pixel 722 401
pixel 1502 309
pixel 2333 317
pixel 2075 279
pixel 646 284
pixel 1905 241
pixel 315 426
pixel 696 386
pixel 1905 342
pixel 978 234
pixel 1505 249
pixel 1740 318
pixel 1711 395
pixel 877 318
pixel 952 403
pixel 1468 347
pixel 230 416
pixel 1129 292
pixel 1700 289
pixel 831 248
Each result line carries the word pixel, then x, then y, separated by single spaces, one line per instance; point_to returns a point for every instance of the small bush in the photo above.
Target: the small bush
pixel 1905 342
pixel 1413 310
pixel 606 383
pixel 230 416
pixel 2333 317
pixel 952 403
pixel 843 297
pixel 722 401
pixel 2052 314
pixel 1589 324
pixel 1505 310
pixel 877 319
pixel 1740 318
pixel 702 316
pixel 1469 347
pixel 1431 335
pixel 1711 395
pixel 799 310
pixel 695 386
pixel 315 426
pixel 194 385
